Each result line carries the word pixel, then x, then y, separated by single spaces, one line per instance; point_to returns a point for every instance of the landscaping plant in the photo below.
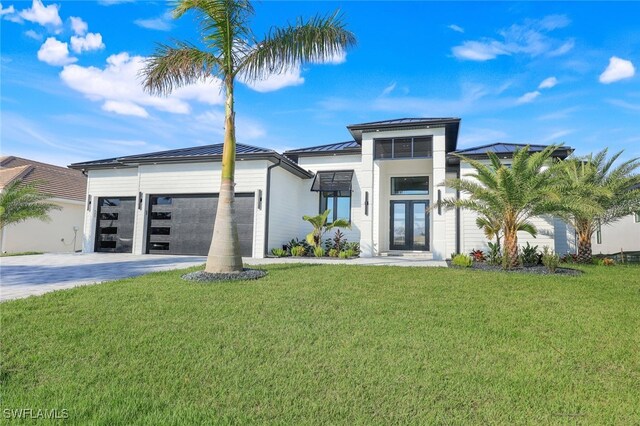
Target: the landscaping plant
pixel 462 261
pixel 298 251
pixel 229 50
pixel 510 195
pixel 320 227
pixel 477 255
pixel 21 201
pixel 279 252
pixel 318 251
pixel 493 256
pixel 530 255
pixel 550 260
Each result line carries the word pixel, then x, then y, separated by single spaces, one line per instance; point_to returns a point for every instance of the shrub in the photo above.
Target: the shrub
pixel 346 254
pixel 569 258
pixel 530 255
pixel 333 252
pixel 339 240
pixel 477 255
pixel 298 243
pixel 318 251
pixel 355 247
pixel 462 261
pixel 607 261
pixel 279 252
pixel 493 256
pixel 550 260
pixel 298 251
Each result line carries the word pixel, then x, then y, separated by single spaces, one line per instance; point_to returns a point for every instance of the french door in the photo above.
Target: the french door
pixel 409 225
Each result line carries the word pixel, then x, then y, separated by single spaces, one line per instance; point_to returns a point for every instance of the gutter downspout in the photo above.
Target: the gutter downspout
pixel 458 215
pixel 267 195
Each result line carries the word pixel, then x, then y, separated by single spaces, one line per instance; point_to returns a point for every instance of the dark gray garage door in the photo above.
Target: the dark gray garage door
pixel 114 230
pixel 183 224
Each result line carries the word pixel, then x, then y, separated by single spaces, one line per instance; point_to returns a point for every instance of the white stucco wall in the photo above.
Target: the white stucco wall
pixel 623 234
pixel 55 236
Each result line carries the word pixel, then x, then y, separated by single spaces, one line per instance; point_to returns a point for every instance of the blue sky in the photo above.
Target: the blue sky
pixel 539 72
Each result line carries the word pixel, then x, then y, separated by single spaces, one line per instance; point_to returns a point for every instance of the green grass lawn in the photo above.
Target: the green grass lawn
pixel 332 344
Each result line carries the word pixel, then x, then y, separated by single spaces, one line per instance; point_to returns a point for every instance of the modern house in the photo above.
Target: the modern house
pixel 63 233
pixel 387 180
pixel 622 235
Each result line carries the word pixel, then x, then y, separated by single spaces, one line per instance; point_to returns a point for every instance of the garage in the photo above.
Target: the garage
pixel 114 230
pixel 183 223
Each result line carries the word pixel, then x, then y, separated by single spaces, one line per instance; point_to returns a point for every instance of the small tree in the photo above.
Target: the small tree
pixel 320 227
pixel 21 201
pixel 603 192
pixel 510 195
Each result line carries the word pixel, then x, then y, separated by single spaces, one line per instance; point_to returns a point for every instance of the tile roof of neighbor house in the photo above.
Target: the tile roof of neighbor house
pixel 202 153
pixel 502 148
pixel 59 182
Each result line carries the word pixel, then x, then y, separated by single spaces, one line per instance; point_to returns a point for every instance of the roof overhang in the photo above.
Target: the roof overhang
pixel 561 153
pixel 451 125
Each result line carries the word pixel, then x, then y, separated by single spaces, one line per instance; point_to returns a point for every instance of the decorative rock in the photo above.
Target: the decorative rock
pixel 246 274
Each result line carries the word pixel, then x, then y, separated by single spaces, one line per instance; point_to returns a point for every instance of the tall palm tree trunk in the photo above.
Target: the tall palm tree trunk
pixel 511 249
pixel 224 253
pixel 585 232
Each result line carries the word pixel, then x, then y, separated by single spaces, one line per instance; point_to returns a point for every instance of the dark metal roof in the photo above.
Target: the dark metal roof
pixel 335 180
pixel 348 147
pixel 197 153
pixel 505 150
pixel 451 125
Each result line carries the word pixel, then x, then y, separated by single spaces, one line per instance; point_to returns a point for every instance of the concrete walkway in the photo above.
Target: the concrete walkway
pixel 23 276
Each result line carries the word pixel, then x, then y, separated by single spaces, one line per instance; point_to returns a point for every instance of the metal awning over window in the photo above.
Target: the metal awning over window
pixel 333 181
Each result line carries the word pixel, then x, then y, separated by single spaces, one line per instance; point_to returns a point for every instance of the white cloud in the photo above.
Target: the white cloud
pixel 119 87
pixel 528 38
pixel 618 69
pixel 113 2
pixel 92 41
pixel 528 97
pixel 7 11
pixel 555 136
pixel 78 26
pixel 43 15
pixel 548 83
pixel 160 23
pixel 390 88
pixel 275 82
pixel 335 59
pixel 34 35
pixel 55 52
pixel 456 28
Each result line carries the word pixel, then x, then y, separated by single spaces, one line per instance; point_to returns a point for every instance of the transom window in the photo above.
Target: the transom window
pixel 418 147
pixel 410 185
pixel 339 204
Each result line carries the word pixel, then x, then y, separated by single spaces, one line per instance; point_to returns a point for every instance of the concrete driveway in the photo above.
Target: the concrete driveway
pixel 22 276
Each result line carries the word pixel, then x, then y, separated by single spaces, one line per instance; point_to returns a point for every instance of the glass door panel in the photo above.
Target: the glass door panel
pixel 399 224
pixel 419 225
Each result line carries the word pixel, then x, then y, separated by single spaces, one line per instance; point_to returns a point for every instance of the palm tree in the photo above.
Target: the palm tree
pixel 21 201
pixel 231 51
pixel 320 227
pixel 610 193
pixel 509 196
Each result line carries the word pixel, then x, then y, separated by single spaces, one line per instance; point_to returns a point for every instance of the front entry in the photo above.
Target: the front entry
pixel 409 225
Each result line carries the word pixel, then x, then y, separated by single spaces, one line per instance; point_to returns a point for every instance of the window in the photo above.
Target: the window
pixel 162 201
pixel 412 185
pixel 108 216
pixel 420 147
pixel 339 204
pixel 161 215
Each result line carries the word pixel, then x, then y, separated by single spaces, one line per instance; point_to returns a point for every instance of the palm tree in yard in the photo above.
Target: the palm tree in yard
pixel 22 201
pixel 230 51
pixel 610 192
pixel 509 196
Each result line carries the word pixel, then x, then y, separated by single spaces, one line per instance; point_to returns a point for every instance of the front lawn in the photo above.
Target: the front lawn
pixel 330 344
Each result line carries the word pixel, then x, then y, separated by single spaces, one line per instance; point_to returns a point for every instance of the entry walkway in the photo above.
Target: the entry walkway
pixel 23 276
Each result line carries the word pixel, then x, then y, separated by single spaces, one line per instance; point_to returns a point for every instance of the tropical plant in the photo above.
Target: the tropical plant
pixel 294 242
pixel 318 251
pixel 477 255
pixel 493 255
pixel 604 192
pixel 320 227
pixel 279 252
pixel 550 260
pixel 462 261
pixel 491 226
pixel 333 252
pixel 20 201
pixel 354 247
pixel 513 194
pixel 530 255
pixel 298 251
pixel 231 51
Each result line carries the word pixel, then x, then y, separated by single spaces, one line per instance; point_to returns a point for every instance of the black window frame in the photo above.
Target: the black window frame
pixel 377 153
pixel 333 209
pixel 428 192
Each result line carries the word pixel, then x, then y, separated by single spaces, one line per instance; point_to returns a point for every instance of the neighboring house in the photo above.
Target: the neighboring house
pixel 67 188
pixel 387 181
pixel 621 235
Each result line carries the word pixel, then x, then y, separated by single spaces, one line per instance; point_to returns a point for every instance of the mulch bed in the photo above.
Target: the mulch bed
pixel 538 269
pixel 246 274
